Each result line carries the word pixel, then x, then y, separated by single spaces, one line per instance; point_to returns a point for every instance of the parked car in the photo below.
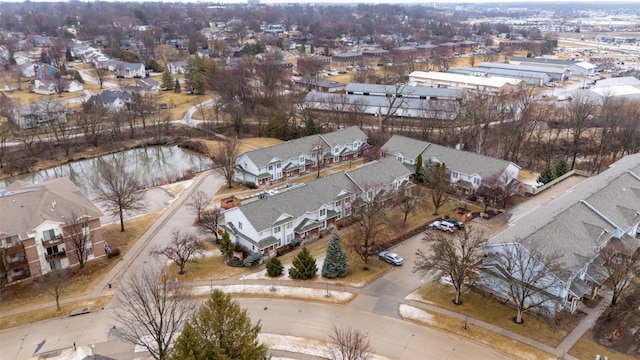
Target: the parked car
pixel 391 257
pixel 455 222
pixel 443 225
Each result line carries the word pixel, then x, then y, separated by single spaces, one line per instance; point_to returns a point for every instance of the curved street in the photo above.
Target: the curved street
pixel 375 309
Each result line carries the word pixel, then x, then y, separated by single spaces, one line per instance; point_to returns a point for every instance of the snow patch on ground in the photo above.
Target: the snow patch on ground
pixel 415 296
pixel 278 290
pixel 301 346
pixel 69 354
pixel 413 313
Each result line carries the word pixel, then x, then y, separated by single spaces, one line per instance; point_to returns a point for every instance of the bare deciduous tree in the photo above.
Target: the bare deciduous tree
pixel 209 221
pixel 120 189
pixel 151 311
pixel 224 156
pixel 440 189
pixel 528 272
pixel 454 258
pixel 348 343
pixel 620 267
pixel 498 189
pixel 182 248
pixel 101 75
pixel 77 234
pixel 408 200
pixel 198 201
pixel 370 218
pixel 55 283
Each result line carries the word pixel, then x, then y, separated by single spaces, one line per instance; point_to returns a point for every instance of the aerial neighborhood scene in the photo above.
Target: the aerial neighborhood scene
pixel 268 179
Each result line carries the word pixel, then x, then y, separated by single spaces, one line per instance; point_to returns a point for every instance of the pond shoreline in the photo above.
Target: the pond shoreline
pixel 103 151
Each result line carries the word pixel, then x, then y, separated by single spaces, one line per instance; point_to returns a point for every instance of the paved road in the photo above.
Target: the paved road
pixel 375 308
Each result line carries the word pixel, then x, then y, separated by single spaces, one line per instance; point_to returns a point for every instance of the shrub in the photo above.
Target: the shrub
pixel 251 259
pixel 304 266
pixel 274 267
pixel 296 242
pixel 114 252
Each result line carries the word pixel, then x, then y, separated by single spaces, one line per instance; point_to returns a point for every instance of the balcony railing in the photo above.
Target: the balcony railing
pixel 51 242
pixel 59 255
pixel 14 263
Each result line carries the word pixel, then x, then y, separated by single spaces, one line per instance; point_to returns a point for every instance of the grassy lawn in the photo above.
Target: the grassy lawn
pixel 478 307
pixel 134 228
pixel 26 97
pixel 260 142
pixel 179 104
pixel 510 347
pixel 52 312
pixel 208 268
pixel 586 348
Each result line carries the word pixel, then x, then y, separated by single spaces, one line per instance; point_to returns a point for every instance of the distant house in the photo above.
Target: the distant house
pixel 274 29
pixel 176 67
pixel 34 231
pixel 130 70
pixel 143 87
pixel 114 100
pixel 51 87
pixel 466 170
pixel 308 210
pixel 39 114
pixel 599 214
pixel 296 157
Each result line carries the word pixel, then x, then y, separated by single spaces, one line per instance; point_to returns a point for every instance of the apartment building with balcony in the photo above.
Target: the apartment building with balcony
pixel 41 226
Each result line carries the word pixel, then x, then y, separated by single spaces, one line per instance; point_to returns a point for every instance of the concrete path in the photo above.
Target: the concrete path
pixel 375 304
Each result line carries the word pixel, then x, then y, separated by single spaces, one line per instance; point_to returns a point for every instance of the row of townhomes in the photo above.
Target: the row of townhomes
pixel 466 170
pixel 602 213
pixel 36 231
pixel 295 157
pixel 267 224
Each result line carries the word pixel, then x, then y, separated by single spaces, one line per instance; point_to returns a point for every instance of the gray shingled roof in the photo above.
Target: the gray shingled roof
pixel 294 148
pixel 574 224
pixel 26 206
pixel 263 214
pixel 377 173
pixel 407 147
pixel 466 162
pixel 344 136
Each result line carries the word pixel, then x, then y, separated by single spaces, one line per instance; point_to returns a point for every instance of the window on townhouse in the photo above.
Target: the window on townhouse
pixel 53 250
pixel 240 225
pixel 301 160
pixel 49 235
pixel 278 165
pixel 276 229
pixel 476 181
pixel 55 264
pixel 289 225
pixel 347 211
pixel 289 238
pixel 323 212
pixel 270 167
pixel 454 174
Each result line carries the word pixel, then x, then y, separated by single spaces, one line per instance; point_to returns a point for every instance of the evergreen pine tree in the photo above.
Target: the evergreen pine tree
pixel 167 81
pixel 226 246
pixel 274 267
pixel 546 175
pixel 310 127
pixel 335 261
pixel 176 87
pixel 220 329
pixel 304 266
pixel 417 177
pixel 561 168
